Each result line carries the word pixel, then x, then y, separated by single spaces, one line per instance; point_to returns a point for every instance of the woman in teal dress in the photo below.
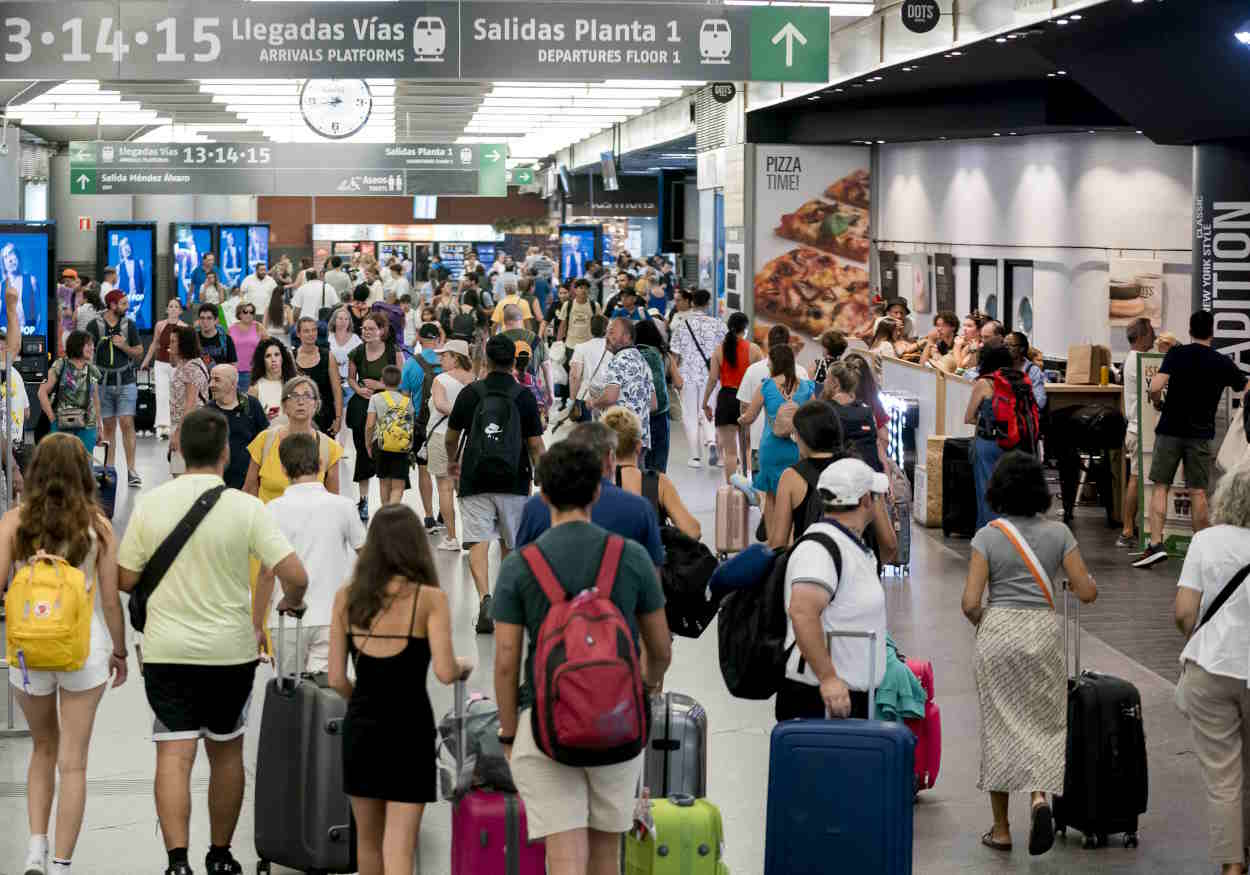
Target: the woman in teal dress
pixel 776 453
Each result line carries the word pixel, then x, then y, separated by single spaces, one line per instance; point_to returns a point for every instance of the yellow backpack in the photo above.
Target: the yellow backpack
pixel 48 612
pixel 396 424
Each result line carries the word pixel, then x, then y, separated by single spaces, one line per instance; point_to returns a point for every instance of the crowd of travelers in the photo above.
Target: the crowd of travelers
pixel 537 414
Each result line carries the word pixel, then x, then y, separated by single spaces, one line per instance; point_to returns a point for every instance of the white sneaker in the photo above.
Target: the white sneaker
pixel 695 463
pixel 451 545
pixel 36 862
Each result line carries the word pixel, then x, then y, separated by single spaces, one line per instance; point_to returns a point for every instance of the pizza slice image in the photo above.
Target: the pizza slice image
pixel 852 189
pixel 806 290
pixel 836 228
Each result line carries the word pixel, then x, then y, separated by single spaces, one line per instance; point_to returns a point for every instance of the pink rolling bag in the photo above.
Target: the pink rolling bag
pixel 928 731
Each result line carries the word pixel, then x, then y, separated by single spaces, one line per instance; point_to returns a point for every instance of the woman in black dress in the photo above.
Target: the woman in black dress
pixel 393 621
pixel 364 376
pixel 314 362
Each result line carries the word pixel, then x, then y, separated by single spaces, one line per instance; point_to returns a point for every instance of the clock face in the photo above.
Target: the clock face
pixel 335 108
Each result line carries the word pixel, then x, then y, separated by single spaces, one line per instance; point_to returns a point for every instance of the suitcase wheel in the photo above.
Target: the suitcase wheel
pixel 1130 840
pixel 262 868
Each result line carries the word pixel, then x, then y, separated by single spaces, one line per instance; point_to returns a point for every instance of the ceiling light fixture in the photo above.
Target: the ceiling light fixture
pixel 1061 21
pixel 1062 72
pixel 1074 17
pixel 880 142
pixel 1001 39
pixel 1011 134
pixel 997 134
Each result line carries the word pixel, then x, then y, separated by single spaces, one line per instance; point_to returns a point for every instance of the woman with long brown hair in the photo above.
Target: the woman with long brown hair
pixel 59 515
pixel 782 389
pixel 277 321
pixel 364 375
pixel 188 388
pixel 729 362
pixel 393 621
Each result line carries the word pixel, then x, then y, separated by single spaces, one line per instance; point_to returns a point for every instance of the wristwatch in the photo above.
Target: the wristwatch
pixel 507 740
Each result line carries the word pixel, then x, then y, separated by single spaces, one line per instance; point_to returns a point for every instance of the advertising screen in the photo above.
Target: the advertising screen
pixel 398 250
pixel 232 255
pixel 257 246
pixel 607 163
pixel 189 244
pixel 486 253
pixel 25 264
pixel 452 255
pixel 131 249
pixel 577 248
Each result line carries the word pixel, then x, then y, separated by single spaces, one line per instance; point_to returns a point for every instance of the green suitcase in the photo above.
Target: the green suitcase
pixel 686 841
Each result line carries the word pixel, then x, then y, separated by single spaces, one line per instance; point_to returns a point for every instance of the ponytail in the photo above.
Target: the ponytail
pixel 738 323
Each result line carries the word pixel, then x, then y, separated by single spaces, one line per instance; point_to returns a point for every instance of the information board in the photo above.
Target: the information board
pixel 109 167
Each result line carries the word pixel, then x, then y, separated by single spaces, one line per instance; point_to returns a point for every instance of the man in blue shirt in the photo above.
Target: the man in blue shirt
pixel 628 308
pixel 413 383
pixel 628 515
pixel 208 264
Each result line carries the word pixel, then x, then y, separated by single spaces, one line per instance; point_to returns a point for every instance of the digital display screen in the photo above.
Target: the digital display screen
pixel 24 264
pixel 190 244
pixel 242 247
pixel 577 249
pixel 607 163
pixel 565 182
pixel 132 252
pixel 398 250
pixel 452 255
pixel 486 253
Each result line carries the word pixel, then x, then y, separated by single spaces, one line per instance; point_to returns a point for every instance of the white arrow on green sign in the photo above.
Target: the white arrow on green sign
pixel 789 33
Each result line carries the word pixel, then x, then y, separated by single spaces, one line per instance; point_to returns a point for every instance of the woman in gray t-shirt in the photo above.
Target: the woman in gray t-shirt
pixel 1020 672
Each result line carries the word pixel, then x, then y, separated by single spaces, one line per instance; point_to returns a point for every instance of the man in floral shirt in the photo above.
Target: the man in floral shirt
pixel 694 341
pixel 628 382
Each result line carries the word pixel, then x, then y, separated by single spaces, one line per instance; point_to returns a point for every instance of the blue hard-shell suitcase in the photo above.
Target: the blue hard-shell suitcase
pixel 840 790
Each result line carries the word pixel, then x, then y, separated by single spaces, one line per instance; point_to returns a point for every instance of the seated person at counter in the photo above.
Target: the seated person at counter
pixel 940 342
pixel 897 310
pixel 890 340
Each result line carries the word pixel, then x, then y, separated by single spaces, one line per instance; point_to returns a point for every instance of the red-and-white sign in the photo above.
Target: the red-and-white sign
pixel 84 223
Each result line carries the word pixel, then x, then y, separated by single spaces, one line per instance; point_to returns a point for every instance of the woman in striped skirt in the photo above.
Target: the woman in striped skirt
pixel 1020 671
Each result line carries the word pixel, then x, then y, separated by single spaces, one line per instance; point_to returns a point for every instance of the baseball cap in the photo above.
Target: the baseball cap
pixel 846 481
pixel 113 297
pixel 69 274
pixel 459 347
pixel 428 330
pixel 523 347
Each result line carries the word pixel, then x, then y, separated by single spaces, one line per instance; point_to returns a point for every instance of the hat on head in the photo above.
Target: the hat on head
pixel 459 347
pixel 428 331
pixel 898 302
pixel 523 347
pixel 69 274
pixel 846 481
pixel 113 297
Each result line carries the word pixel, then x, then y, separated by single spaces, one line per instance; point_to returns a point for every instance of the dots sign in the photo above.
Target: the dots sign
pixel 920 16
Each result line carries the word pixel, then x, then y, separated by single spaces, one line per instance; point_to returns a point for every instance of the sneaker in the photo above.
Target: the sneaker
pixel 180 869
pixel 451 545
pixel 36 862
pixel 1126 541
pixel 761 532
pixel 695 463
pixel 713 459
pixel 133 478
pixel 362 507
pixel 485 625
pixel 1155 553
pixel 431 525
pixel 228 866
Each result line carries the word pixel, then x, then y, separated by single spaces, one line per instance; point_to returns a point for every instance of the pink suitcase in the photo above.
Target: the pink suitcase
pixel 733 521
pixel 928 731
pixel 489 835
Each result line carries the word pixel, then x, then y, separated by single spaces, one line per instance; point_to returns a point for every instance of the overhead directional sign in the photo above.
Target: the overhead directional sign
pixel 521 176
pixel 101 167
pixel 135 40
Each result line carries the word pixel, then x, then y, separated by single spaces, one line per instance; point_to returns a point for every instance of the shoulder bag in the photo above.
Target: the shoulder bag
pixel 166 553
pixel 1030 558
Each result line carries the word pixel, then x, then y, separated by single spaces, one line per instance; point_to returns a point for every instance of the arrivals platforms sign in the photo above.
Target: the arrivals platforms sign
pixel 101 167
pixel 136 40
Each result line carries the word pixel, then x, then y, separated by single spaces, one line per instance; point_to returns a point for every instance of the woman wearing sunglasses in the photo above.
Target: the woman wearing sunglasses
pixel 245 332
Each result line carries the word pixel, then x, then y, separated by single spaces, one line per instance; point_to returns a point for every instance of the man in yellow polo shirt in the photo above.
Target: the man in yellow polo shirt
pixel 200 643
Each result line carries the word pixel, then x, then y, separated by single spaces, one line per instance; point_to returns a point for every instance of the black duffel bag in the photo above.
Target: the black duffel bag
pixel 688 567
pixel 1088 427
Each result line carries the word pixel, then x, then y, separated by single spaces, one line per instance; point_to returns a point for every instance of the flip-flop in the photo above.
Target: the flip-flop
pixel 989 842
pixel 1042 832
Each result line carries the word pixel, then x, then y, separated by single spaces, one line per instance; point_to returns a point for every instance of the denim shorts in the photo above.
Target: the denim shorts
pixel 118 400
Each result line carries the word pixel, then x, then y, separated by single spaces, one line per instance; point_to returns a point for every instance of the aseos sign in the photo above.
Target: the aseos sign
pixel 920 16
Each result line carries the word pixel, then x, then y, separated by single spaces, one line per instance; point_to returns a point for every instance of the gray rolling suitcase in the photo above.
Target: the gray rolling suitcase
pixel 303 817
pixel 676 758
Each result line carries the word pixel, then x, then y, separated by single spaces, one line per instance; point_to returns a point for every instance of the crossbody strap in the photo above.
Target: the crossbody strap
pixel 541 569
pixel 1030 558
pixel 167 552
pixel 706 361
pixel 1225 594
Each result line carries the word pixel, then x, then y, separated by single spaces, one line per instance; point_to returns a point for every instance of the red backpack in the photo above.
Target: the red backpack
pixel 1014 408
pixel 589 708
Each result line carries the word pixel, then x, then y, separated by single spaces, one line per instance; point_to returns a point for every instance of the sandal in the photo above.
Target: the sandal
pixel 989 842
pixel 1042 832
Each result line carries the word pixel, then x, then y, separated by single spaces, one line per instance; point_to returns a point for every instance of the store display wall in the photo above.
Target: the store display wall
pixel 1070 203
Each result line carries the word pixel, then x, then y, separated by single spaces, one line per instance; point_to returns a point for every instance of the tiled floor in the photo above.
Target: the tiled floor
pixel 1128 630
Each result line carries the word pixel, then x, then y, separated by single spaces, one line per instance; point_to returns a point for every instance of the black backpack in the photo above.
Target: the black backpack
pixel 493 452
pixel 812 510
pixel 859 430
pixel 463 325
pixel 752 627
pixel 423 408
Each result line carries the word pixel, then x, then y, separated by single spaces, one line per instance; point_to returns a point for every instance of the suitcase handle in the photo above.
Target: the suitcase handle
pixel 1067 620
pixel 871 635
pixel 278 646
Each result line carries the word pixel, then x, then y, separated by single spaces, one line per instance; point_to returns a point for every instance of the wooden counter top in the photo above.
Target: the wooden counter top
pixel 1077 387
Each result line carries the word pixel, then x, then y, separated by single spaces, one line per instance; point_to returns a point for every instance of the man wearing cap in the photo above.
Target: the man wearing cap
pixel 417 383
pixel 117 348
pixel 898 310
pixel 493 489
pixel 824 678
pixel 540 365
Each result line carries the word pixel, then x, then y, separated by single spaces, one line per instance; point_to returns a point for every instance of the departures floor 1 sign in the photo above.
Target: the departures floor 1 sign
pixel 101 167
pixel 137 40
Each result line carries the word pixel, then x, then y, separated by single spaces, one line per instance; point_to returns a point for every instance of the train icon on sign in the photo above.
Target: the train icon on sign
pixel 715 41
pixel 429 39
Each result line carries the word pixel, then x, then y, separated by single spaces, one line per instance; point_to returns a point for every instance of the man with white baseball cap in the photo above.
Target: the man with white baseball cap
pixel 832 586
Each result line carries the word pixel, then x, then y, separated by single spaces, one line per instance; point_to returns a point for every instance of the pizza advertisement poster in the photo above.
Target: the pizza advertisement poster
pixel 812 238
pixel 1135 288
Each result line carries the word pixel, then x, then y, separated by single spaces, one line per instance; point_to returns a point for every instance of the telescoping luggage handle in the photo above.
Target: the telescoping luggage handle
pixel 1067 594
pixel 871 635
pixel 284 682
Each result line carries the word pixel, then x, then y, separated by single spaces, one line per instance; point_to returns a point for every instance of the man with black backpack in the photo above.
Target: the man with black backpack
pixel 117 349
pixel 418 384
pixel 503 442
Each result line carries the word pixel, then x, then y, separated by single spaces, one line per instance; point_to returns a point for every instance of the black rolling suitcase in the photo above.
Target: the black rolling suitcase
pixel 959 493
pixel 145 403
pixel 303 817
pixel 1105 782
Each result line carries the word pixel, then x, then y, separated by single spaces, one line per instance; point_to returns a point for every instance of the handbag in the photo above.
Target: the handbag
pixel 1234 447
pixel 1030 558
pixel 166 553
pixel 581 410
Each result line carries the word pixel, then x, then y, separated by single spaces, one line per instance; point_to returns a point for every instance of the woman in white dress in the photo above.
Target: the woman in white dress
pixel 272 366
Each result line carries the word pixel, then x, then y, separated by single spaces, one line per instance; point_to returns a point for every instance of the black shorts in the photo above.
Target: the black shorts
pixel 198 701
pixel 728 408
pixel 391 465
